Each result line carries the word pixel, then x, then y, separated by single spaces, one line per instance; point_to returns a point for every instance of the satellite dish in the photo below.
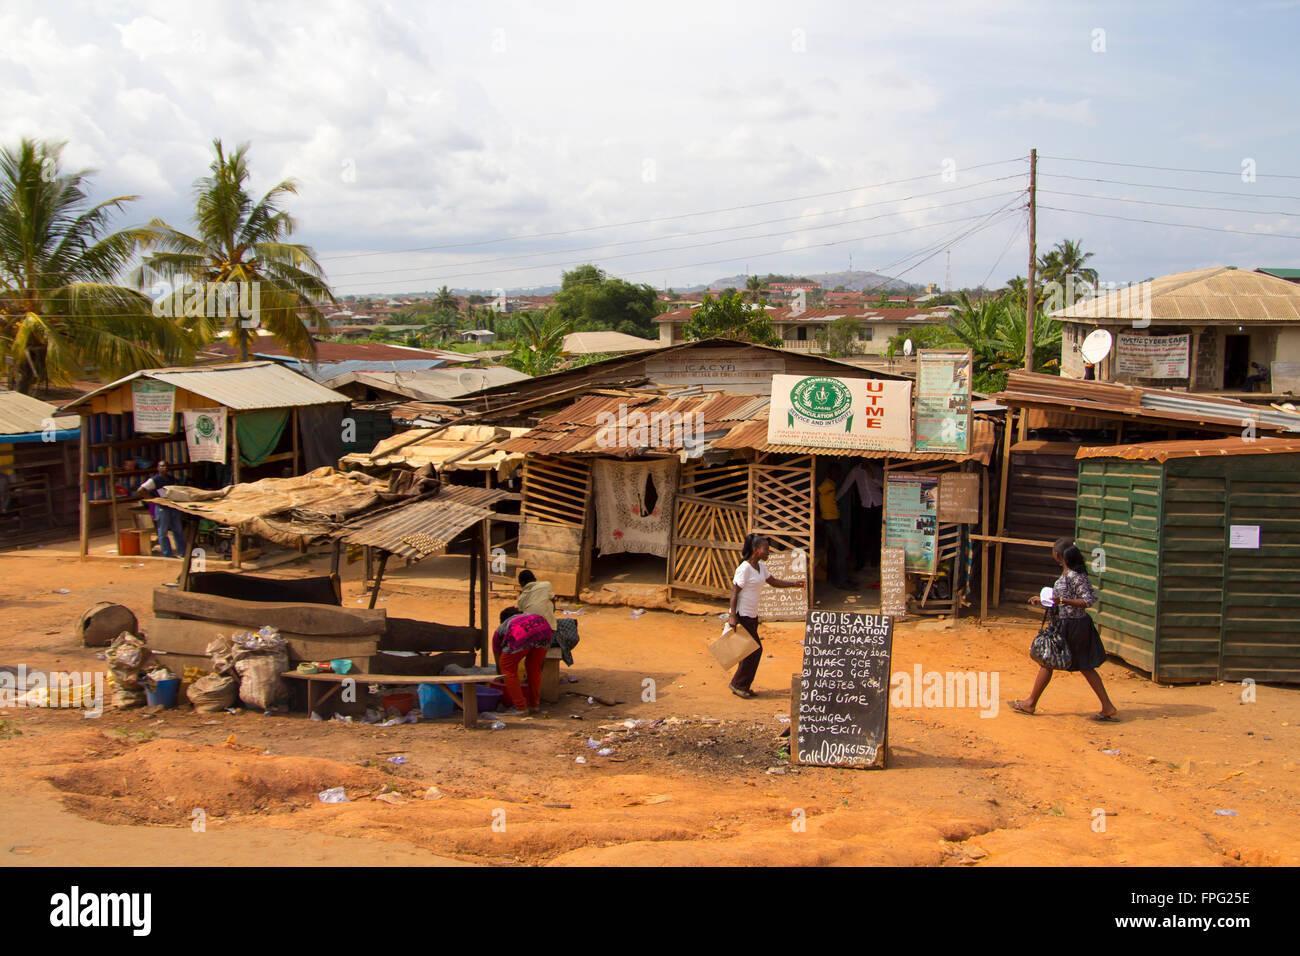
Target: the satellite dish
pixel 1096 346
pixel 907 347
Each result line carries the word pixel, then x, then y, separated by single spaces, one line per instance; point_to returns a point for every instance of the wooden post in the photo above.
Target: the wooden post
pixel 188 537
pixel 237 544
pixel 297 454
pixel 984 545
pixel 1002 504
pixel 85 485
pixel 485 545
pixel 473 574
pixel 112 494
pixel 379 577
pixel 1030 304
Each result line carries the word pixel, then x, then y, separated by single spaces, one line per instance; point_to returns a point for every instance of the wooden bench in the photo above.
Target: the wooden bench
pixel 468 703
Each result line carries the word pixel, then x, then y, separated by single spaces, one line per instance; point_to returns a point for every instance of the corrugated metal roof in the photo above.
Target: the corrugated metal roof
pixel 326 371
pixel 432 384
pixel 21 415
pixel 1164 450
pixel 1218 294
pixel 754 435
pixel 421 528
pixel 671 425
pixel 1129 402
pixel 594 343
pixel 447 449
pixel 241 387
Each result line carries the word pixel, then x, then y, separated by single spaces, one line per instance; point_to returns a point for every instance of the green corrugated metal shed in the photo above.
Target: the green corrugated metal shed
pixel 1177 597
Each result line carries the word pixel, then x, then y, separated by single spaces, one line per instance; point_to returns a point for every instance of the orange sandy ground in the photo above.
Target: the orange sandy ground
pixel 960 789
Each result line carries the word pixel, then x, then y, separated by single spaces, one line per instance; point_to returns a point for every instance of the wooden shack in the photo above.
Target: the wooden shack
pixel 276 423
pixel 1193 547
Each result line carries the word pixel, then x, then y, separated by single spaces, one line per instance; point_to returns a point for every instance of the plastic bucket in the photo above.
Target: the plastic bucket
pixel 403 703
pixel 128 543
pixel 164 694
pixel 433 702
pixel 488 697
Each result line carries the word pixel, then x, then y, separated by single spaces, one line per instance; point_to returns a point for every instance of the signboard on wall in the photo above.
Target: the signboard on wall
pixel 959 497
pixel 943 400
pixel 912 519
pixel 893 582
pixel 205 434
pixel 153 405
pixel 734 369
pixel 824 412
pixel 1153 356
pixel 785 604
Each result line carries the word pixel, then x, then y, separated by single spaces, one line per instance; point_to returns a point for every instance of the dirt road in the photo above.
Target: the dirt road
pixel 965 785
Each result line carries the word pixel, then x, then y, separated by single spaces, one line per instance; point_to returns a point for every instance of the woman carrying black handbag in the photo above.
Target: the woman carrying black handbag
pixel 1072 594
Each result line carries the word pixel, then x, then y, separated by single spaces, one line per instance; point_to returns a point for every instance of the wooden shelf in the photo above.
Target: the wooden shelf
pixel 137 442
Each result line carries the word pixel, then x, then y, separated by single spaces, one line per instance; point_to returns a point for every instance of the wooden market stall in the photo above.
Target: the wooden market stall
pixel 38 473
pixel 260 420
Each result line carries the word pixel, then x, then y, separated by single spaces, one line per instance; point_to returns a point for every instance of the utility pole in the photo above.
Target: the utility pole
pixel 947 273
pixel 1033 254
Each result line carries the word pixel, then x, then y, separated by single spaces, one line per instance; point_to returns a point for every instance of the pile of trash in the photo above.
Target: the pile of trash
pixel 128 659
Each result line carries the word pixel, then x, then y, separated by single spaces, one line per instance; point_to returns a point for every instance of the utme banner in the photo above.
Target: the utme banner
pixel 825 412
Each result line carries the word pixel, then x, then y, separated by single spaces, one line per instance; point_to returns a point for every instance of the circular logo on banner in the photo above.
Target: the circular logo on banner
pixel 821 401
pixel 205 425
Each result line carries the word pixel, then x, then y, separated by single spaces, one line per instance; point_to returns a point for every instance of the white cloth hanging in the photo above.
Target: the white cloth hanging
pixel 630 517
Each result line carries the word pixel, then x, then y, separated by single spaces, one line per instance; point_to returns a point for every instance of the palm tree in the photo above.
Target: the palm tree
pixel 1065 263
pixel 242 241
pixel 755 287
pixel 443 326
pixel 61 309
pixel 446 299
pixel 539 346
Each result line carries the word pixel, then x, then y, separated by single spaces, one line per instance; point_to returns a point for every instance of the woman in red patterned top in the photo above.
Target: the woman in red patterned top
pixel 521 638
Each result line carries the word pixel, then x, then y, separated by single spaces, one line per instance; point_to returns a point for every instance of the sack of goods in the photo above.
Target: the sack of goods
pixel 260 659
pixel 732 647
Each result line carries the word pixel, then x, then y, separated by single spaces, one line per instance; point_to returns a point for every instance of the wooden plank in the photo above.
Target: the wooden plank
pixel 192 637
pixel 313 619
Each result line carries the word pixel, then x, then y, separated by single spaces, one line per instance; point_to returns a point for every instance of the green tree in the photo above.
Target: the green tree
pixel 443 326
pixel 756 287
pixel 446 299
pixel 731 317
pixel 539 345
pixel 590 300
pixel 62 311
pixel 238 239
pixel 840 337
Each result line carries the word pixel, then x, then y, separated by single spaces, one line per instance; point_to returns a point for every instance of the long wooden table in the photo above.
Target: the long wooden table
pixel 467 702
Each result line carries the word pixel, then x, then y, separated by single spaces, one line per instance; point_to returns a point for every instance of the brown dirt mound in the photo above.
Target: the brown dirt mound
pixel 164 781
pixel 44 749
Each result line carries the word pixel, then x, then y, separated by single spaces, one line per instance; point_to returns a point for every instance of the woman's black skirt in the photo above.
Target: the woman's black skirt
pixel 1085 643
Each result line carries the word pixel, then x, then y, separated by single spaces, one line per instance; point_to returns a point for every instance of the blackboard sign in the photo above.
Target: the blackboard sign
pixel 843 701
pixel 959 497
pixel 893 582
pixel 785 604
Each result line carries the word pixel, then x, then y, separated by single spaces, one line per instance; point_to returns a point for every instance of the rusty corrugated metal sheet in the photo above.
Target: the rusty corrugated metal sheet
pixel 1111 401
pixel 1165 450
pixel 754 435
pixel 421 528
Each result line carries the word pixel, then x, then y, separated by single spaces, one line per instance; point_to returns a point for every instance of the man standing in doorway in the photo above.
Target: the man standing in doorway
pixel 166 520
pixel 837 555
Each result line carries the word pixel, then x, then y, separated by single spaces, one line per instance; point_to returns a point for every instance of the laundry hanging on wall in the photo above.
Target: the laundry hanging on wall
pixel 634 505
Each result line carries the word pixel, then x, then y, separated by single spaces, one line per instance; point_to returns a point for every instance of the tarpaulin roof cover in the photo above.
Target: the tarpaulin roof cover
pixel 289 511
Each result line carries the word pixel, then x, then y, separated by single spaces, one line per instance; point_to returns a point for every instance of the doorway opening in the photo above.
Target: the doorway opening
pixel 1236 361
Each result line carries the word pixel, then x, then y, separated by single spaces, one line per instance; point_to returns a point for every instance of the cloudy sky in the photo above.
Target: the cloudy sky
pixel 493 145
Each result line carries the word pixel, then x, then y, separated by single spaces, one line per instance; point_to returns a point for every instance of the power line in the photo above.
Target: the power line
pixel 1167 169
pixel 1180 225
pixel 1181 189
pixel 704 232
pixel 1174 205
pixel 643 222
pixel 443 277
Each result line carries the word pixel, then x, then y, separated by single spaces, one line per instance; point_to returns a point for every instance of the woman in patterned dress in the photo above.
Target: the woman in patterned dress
pixel 1072 593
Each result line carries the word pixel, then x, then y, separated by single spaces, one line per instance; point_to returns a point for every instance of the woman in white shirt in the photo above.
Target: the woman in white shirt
pixel 746 584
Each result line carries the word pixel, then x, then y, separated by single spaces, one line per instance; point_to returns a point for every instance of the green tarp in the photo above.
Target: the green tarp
pixel 259 433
